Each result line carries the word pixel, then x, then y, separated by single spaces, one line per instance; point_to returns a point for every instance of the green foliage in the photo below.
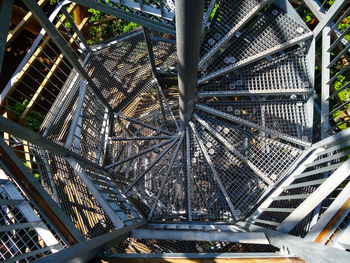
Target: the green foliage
pixel 344 25
pixel 100 32
pixel 33 119
pixel 307 15
pixel 214 11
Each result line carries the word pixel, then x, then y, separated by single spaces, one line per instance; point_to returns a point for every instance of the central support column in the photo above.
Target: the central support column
pixel 189 16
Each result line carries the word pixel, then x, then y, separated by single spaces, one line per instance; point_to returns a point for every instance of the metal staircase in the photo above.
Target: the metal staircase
pixel 224 158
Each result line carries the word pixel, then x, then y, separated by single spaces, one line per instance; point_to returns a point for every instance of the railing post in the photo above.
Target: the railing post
pixel 189 15
pixel 325 85
pixel 61 44
pixel 5 14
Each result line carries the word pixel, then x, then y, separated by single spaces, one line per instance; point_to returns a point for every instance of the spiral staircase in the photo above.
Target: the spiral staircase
pixel 214 151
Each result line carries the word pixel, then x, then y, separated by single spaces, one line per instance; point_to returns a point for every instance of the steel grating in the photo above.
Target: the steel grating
pixel 149 246
pixel 218 169
pixel 236 181
pixel 25 235
pixel 119 70
pixel 164 50
pixel 227 18
pixel 285 74
pixel 283 118
pixel 273 31
pixel 65 187
pixel 267 157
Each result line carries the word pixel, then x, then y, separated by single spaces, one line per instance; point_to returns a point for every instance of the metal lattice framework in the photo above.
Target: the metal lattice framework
pixel 219 143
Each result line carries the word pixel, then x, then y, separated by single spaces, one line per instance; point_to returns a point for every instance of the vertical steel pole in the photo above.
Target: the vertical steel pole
pixel 5 15
pixel 326 59
pixel 189 16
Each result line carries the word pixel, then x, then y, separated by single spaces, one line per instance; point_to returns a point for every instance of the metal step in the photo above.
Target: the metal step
pixel 272 32
pixel 291 197
pixel 284 119
pixel 113 196
pixel 314 182
pixel 285 74
pixel 229 17
pixel 266 222
pixel 318 171
pixel 268 158
pixel 278 209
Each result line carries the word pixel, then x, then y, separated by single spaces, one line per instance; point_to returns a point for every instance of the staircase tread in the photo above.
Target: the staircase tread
pixel 273 31
pixel 283 74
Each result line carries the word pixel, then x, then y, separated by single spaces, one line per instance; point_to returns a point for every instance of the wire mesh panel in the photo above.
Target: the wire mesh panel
pixel 64 185
pixel 282 74
pixel 120 70
pixel 24 235
pixel 91 132
pixel 164 50
pixel 284 116
pixel 273 31
pixel 148 246
pixel 268 158
pixel 227 18
pixel 236 182
pixel 160 11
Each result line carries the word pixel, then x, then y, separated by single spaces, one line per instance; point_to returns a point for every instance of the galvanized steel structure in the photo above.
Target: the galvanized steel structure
pixel 219 143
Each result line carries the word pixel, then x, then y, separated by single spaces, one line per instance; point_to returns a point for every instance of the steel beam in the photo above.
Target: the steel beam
pixel 259 257
pixel 76 30
pixel 189 15
pixel 308 250
pixel 5 14
pixel 77 114
pixel 189 191
pixel 89 250
pixel 146 35
pixel 329 16
pixel 167 174
pixel 117 222
pixel 334 140
pixel 328 215
pixel 167 104
pixel 325 85
pixel 144 124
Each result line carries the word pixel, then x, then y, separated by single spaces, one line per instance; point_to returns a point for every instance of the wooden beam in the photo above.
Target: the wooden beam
pixel 326 231
pixel 24 23
pixel 48 77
